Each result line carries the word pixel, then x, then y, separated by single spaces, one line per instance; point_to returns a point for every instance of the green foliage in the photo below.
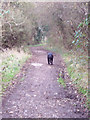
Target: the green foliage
pixel 81 35
pixel 70 70
pixel 77 71
pixel 82 90
pixel 76 68
pixel 2 12
pixel 62 82
pixel 87 20
pixel 45 28
pixel 80 25
pixel 36 45
pixel 11 66
pixel 38 36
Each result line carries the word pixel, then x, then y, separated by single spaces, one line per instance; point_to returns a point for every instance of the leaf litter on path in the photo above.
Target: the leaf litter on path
pixel 39 94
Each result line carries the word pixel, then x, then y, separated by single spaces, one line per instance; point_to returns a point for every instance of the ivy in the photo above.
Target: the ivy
pixel 80 25
pixel 80 35
pixel 2 12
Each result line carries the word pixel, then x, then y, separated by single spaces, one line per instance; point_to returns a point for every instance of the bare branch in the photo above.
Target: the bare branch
pixel 17 24
pixel 8 22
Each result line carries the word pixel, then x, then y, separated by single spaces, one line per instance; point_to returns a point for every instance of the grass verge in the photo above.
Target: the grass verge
pixel 62 82
pixel 76 67
pixel 41 44
pixel 77 70
pixel 12 61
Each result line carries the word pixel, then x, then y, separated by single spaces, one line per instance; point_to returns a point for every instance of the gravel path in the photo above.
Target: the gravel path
pixel 39 95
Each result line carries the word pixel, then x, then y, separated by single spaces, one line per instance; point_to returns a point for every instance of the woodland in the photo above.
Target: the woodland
pixel 60 27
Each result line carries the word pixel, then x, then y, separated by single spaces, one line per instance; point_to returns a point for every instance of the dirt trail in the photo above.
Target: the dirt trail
pixel 39 95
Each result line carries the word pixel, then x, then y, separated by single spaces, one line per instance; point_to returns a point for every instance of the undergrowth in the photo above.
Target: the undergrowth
pixel 78 72
pixel 62 82
pixel 77 69
pixel 12 61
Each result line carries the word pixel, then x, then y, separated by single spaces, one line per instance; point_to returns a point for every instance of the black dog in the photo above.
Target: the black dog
pixel 50 58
